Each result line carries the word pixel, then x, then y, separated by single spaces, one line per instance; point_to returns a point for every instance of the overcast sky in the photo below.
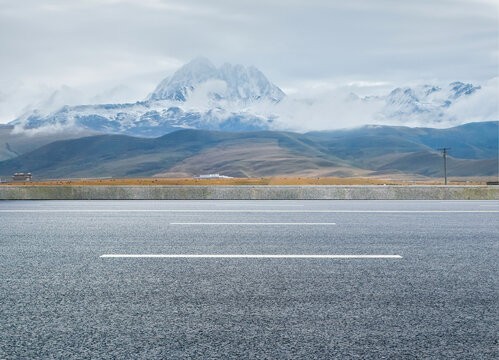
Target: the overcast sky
pixel 118 50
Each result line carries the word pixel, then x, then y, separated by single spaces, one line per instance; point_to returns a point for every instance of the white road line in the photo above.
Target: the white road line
pixel 247 223
pixel 460 201
pixel 490 205
pixel 250 256
pixel 235 211
pixel 269 205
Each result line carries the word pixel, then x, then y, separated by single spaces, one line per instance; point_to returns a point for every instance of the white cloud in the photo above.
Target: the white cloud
pixel 118 50
pixel 203 95
pixel 332 110
pixel 328 106
pixel 118 79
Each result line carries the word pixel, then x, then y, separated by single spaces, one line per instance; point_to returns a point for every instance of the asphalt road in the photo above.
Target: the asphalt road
pixel 59 299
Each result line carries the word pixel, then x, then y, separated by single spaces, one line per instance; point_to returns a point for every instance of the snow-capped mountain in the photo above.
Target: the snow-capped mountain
pixel 235 83
pixel 427 103
pixel 198 96
pixel 237 98
pixel 147 118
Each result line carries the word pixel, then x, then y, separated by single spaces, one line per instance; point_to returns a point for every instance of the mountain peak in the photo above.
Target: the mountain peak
pixel 197 67
pixel 242 83
pixel 200 60
pixel 459 88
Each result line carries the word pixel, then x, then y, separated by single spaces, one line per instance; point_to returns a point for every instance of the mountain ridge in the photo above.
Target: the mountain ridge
pixel 237 98
pixel 263 153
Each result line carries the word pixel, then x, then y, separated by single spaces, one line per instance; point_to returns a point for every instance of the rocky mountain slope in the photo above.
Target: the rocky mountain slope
pixel 234 83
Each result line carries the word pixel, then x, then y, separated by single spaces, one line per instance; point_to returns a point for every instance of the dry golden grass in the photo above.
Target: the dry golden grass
pixel 245 181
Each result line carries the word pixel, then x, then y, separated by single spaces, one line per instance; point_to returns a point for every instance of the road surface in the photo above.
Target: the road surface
pixel 249 279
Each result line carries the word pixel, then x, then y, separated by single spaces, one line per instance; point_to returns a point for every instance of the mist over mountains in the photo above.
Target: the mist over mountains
pixel 233 120
pixel 237 98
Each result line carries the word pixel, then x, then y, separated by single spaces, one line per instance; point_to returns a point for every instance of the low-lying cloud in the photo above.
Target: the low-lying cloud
pixel 340 107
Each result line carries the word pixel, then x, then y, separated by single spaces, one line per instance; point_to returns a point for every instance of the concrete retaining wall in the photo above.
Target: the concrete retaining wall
pixel 244 192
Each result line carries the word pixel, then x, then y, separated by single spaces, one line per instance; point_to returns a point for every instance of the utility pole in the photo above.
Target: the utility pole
pixel 445 162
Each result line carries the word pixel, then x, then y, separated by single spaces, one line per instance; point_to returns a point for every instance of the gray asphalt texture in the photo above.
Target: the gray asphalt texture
pixel 60 300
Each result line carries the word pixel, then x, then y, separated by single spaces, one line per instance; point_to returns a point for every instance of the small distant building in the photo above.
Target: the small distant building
pixel 21 177
pixel 212 176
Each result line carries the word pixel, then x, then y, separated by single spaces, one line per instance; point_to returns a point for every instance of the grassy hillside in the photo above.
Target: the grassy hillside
pixel 367 151
pixel 125 156
pixel 429 163
pixel 479 140
pixel 13 145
